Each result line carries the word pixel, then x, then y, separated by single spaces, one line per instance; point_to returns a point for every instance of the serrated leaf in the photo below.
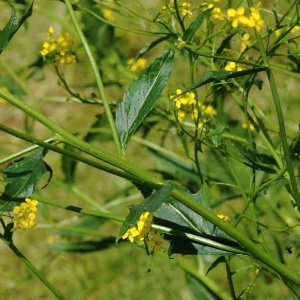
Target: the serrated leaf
pixel 190 32
pixel 22 177
pixel 141 96
pixel 12 26
pixel 151 204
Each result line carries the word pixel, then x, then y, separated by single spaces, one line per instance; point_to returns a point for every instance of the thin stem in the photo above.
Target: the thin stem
pixel 32 268
pixel 97 77
pixel 280 118
pixel 83 211
pixel 68 138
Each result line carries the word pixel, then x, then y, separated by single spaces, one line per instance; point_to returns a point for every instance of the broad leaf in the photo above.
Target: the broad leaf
pixel 22 177
pixel 191 233
pixel 151 204
pixel 12 26
pixel 141 96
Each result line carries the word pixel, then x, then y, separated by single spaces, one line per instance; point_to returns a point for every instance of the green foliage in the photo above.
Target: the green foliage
pixel 141 96
pixel 14 23
pixel 22 177
pixel 216 160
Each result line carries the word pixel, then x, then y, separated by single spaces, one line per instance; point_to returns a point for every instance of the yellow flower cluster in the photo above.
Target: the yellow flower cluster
pixel 25 215
pixel 143 231
pixel 182 102
pixel 139 65
pixel 60 50
pixel 238 18
pixel 185 10
pixel 233 66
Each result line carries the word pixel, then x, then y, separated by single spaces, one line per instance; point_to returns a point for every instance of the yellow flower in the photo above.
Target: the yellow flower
pixel 188 98
pixel 186 9
pixel 141 229
pixel 61 50
pixel 139 65
pixel 244 125
pixel 233 66
pixel 154 241
pixel 180 115
pixel 255 19
pixel 237 17
pixel 25 215
pixel 246 41
pixel 216 12
pixel 108 14
pixel 224 218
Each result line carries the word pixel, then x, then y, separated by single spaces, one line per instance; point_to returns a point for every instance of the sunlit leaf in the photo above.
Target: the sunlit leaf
pixel 21 179
pixel 12 26
pixel 151 204
pixel 141 96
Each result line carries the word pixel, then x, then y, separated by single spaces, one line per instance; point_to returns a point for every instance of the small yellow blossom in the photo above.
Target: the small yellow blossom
pixel 295 30
pixel 216 12
pixel 108 14
pixel 237 17
pixel 60 50
pixel 255 19
pixel 224 218
pixel 187 98
pixel 141 229
pixel 233 66
pixel 25 215
pixel 180 115
pixel 186 9
pixel 139 65
pixel 154 241
pixel 246 41
pixel 244 125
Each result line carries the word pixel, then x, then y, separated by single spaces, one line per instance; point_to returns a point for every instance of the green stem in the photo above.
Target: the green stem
pixel 83 211
pixel 251 247
pixel 97 77
pixel 32 268
pixel 213 288
pixel 280 118
pixel 68 138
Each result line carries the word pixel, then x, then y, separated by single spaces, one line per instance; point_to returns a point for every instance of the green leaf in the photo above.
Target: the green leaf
pixel 12 26
pixel 210 239
pixel 141 96
pixel 21 179
pixel 190 32
pixel 151 204
pixel 215 76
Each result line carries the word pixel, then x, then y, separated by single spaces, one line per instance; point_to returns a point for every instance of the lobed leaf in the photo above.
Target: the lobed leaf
pixel 141 96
